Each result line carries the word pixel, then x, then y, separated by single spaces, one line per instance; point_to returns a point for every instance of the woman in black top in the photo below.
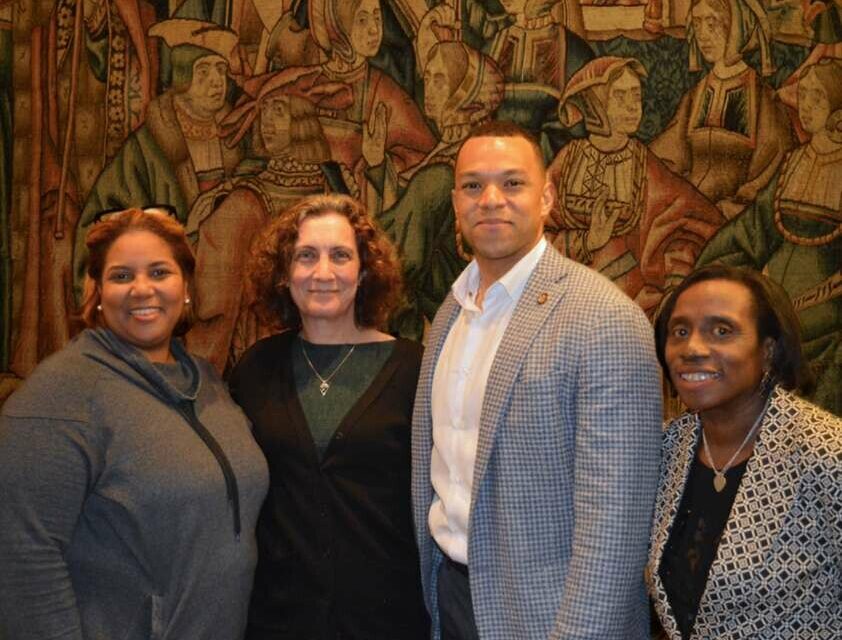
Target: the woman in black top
pixel 748 516
pixel 331 402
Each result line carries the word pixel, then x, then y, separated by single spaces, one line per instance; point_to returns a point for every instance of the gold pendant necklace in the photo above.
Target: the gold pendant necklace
pixel 719 480
pixel 324 387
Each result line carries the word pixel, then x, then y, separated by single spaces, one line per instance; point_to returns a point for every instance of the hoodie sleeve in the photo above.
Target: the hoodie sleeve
pixel 47 468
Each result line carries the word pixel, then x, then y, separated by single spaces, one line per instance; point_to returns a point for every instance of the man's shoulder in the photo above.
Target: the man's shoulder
pixel 583 286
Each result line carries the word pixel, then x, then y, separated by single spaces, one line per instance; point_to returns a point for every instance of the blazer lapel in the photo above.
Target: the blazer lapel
pixel 444 320
pixel 422 446
pixel 422 417
pixel 442 323
pixel 540 297
pixel 679 457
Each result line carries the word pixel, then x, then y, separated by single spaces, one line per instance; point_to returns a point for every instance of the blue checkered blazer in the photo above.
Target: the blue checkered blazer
pixel 566 468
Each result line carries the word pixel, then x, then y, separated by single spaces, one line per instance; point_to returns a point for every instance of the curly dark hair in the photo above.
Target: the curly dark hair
pixel 105 231
pixel 774 315
pixel 380 291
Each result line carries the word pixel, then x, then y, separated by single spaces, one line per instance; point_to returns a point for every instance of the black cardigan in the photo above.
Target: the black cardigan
pixel 335 538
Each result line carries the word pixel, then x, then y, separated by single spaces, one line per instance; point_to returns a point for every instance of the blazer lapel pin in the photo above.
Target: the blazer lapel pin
pixel 542 297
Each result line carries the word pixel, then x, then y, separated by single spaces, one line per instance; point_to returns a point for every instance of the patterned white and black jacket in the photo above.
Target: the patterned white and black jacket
pixel 777 573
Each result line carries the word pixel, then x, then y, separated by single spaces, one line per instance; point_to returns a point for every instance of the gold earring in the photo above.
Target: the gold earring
pixel 187 300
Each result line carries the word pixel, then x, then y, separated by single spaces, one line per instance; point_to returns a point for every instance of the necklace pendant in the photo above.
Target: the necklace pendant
pixel 323 387
pixel 719 482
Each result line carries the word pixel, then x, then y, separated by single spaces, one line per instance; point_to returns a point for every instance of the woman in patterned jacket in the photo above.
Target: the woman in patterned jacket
pixel 747 539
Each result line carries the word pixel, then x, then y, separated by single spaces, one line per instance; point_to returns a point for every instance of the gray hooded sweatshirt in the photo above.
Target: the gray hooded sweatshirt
pixel 117 521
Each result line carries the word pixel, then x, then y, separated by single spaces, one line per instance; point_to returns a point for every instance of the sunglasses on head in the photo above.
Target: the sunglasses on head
pixel 154 209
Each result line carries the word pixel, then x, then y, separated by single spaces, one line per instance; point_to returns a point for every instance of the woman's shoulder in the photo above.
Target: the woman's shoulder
pixel 269 347
pixel 410 349
pixel 678 430
pixel 262 358
pixel 60 387
pixel 808 440
pixel 813 429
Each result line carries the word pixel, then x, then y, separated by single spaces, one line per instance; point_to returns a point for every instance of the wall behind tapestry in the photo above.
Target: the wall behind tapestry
pixel 680 132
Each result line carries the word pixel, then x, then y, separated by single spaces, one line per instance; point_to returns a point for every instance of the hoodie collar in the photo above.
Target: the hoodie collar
pixel 140 364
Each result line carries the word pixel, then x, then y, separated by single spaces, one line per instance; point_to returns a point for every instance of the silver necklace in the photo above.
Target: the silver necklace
pixel 719 480
pixel 325 382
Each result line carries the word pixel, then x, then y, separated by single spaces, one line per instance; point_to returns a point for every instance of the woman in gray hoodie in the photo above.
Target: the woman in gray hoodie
pixel 129 481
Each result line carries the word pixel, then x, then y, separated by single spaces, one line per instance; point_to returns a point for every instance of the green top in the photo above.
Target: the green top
pixel 325 412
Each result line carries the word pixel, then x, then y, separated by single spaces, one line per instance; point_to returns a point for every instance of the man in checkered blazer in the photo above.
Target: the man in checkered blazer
pixel 536 432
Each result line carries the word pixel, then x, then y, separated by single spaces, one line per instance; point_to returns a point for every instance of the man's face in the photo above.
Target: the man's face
pixel 501 197
pixel 624 105
pixel 206 94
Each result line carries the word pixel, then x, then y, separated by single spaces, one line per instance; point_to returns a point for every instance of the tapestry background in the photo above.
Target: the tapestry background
pixel 679 133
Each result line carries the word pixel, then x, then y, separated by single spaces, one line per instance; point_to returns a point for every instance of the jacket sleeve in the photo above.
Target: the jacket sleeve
pixel 617 455
pixel 46 471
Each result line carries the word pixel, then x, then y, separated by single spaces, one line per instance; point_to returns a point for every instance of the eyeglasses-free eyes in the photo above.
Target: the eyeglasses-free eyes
pixel 154 209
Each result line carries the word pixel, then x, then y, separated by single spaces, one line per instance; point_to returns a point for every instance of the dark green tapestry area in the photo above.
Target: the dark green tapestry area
pixel 666 61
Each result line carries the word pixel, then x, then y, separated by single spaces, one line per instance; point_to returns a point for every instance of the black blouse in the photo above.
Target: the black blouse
pixel 695 535
pixel 337 555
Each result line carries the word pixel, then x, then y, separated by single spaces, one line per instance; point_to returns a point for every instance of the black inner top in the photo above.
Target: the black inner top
pixel 694 538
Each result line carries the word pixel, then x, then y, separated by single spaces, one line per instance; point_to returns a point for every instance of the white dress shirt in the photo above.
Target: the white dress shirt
pixel 458 393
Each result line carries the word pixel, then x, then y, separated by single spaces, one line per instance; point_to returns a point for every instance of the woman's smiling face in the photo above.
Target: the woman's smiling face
pixel 714 353
pixel 143 292
pixel 325 270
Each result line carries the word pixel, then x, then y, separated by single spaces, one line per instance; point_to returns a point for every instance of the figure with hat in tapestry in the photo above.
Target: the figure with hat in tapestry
pixel 91 73
pixel 730 132
pixel 620 210
pixel 289 160
pixel 383 118
pixel 177 153
pixel 793 231
pixel 538 47
pixel 462 89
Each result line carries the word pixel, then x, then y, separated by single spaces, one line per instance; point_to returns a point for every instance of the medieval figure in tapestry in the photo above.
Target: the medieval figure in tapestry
pixel 676 132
